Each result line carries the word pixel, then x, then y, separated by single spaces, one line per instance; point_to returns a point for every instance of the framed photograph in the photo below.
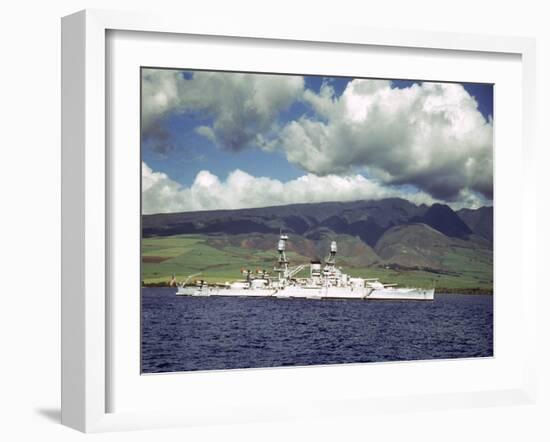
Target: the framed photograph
pixel 267 223
pixel 246 174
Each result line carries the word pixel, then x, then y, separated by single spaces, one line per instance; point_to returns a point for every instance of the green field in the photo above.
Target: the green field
pixel 220 260
pixel 184 255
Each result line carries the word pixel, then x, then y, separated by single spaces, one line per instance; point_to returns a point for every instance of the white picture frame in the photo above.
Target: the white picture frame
pixel 86 201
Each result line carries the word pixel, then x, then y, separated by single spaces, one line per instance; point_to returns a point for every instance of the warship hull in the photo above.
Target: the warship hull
pixel 314 293
pixel 403 294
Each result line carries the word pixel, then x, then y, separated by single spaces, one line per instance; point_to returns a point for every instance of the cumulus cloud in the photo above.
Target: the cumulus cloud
pixel 242 107
pixel 241 190
pixel 469 199
pixel 430 135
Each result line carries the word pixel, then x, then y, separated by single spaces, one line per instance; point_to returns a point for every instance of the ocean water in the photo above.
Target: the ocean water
pixel 182 333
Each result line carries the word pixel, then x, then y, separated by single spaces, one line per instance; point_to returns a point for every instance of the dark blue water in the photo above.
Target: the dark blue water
pixel 187 333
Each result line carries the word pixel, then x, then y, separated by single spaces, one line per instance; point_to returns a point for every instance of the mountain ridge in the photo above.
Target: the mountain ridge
pixel 366 219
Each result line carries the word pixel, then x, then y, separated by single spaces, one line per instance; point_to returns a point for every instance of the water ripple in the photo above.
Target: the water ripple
pixel 186 333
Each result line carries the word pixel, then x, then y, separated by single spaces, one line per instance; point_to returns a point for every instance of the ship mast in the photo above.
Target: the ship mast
pixel 329 272
pixel 283 261
pixel 331 261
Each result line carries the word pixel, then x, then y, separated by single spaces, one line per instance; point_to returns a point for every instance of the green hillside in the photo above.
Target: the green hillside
pixel 415 255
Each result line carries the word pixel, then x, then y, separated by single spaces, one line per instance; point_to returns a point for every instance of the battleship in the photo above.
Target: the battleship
pixel 324 282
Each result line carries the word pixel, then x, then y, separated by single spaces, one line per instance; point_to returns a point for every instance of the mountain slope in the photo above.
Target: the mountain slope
pixel 367 220
pixel 414 245
pixel 480 221
pixel 442 218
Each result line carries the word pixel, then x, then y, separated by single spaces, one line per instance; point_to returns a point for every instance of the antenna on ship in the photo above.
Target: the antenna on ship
pixel 332 258
pixel 283 261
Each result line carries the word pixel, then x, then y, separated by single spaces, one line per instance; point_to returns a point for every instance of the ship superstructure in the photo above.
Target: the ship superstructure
pixel 322 282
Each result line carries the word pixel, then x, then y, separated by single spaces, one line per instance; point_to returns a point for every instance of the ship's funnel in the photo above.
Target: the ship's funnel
pixel 281 245
pixel 333 247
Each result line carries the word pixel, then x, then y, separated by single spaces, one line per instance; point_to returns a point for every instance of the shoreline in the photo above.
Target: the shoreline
pixel 471 291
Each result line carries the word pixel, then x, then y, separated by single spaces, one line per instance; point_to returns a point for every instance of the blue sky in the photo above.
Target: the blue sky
pixel 192 152
pixel 288 129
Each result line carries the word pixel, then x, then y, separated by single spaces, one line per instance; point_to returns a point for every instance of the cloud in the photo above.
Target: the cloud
pixel 430 135
pixel 242 107
pixel 162 141
pixel 470 200
pixel 161 194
